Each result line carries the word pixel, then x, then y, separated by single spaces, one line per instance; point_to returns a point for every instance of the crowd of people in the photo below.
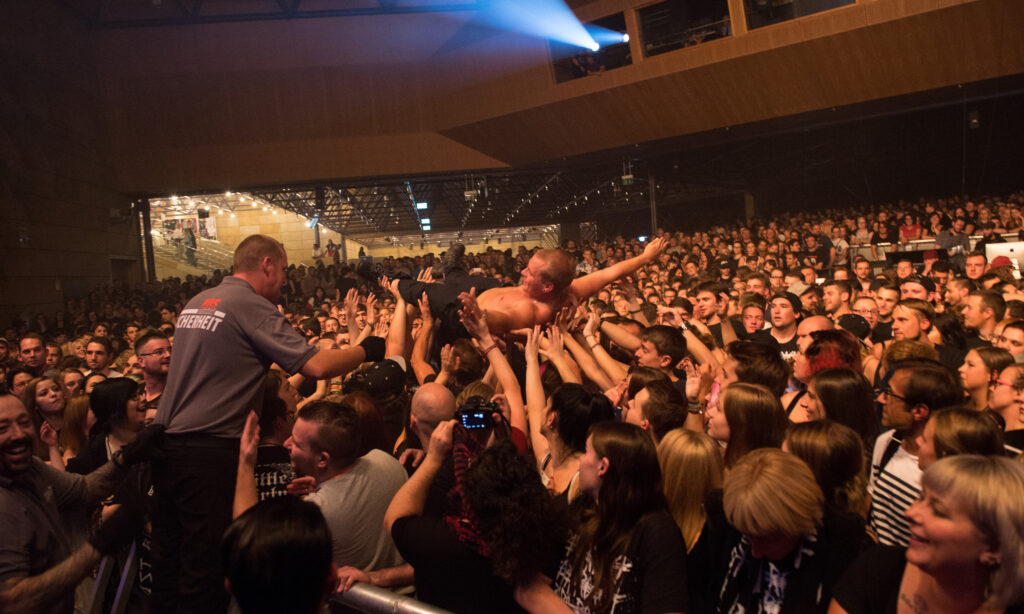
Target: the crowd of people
pixel 772 417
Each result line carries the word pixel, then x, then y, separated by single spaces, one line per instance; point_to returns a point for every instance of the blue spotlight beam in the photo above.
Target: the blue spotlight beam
pixel 549 19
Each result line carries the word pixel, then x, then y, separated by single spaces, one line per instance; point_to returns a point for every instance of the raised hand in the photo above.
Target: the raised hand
pixel 250 442
pixel 654 248
pixel 532 347
pixel 426 275
pixel 371 309
pixel 425 314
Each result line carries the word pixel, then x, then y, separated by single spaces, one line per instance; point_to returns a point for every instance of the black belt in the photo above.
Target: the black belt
pixel 199 440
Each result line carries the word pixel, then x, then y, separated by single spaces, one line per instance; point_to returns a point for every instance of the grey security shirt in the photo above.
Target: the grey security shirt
pixel 32 536
pixel 224 341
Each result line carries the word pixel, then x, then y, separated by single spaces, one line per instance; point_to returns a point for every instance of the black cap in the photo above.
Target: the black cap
pixel 855 324
pixel 379 379
pixel 917 278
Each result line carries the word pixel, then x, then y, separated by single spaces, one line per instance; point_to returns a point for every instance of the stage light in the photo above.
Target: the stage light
pixel 425 221
pixel 313 222
pixel 421 206
pixel 625 37
pixel 594 46
pixel 426 227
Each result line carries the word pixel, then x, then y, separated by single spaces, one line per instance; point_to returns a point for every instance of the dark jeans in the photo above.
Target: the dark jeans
pixel 194 485
pixel 444 301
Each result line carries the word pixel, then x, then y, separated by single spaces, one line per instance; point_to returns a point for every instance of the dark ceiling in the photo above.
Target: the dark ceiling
pixel 926 144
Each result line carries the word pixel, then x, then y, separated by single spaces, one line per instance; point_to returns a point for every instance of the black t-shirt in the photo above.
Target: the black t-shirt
pixel 951 357
pixel 273 472
pixel 651 574
pixel 974 341
pixel 787 349
pixel 449 574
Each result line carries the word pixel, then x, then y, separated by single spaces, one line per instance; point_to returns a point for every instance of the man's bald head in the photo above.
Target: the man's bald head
pixel 433 404
pixel 810 325
pixel 253 249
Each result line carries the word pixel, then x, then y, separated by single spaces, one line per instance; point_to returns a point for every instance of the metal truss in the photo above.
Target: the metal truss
pixel 102 14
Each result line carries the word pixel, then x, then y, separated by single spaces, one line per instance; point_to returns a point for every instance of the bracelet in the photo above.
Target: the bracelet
pixel 694 407
pixel 493 345
pixel 637 311
pixel 594 345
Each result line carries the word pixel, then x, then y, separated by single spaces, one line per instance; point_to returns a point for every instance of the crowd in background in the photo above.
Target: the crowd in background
pixel 770 417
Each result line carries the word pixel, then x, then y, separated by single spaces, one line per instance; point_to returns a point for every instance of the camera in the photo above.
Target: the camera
pixel 476 412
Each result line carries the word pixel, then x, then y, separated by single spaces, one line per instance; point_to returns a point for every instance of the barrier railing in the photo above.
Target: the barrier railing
pixel 375 600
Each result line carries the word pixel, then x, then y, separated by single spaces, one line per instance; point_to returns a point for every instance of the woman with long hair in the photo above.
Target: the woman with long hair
pixel 44 401
pixel 744 418
pixel 835 455
pixel 966 551
pixel 981 366
pixel 692 471
pixel 844 396
pixel 626 555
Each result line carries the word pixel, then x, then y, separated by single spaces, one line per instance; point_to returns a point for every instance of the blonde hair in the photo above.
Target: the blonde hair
pixel 691 467
pixel 474 389
pixel 991 491
pixel 769 491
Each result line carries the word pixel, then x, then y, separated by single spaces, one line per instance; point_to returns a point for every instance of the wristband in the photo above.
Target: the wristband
pixel 637 311
pixel 694 407
pixel 594 345
pixel 492 346
pixel 684 326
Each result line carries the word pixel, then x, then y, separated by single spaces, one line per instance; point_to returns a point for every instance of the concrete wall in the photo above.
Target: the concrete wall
pixel 63 228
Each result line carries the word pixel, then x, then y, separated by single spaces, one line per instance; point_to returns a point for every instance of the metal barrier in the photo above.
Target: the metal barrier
pixel 375 600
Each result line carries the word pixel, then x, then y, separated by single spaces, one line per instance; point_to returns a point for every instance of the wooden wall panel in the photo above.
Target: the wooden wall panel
pixel 324 96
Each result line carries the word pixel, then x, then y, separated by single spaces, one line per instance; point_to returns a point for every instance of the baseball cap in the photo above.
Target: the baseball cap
pixel 999 261
pixel 379 379
pixel 854 324
pixel 917 278
pixel 798 288
pixel 793 299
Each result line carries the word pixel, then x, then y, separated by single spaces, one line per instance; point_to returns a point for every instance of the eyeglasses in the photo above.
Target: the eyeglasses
pixel 887 391
pixel 157 352
pixel 1016 387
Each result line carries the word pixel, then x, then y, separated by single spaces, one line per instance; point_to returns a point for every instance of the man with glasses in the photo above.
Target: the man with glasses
pixel 153 350
pixel 915 388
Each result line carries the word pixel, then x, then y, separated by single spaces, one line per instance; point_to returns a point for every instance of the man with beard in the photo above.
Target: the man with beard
pixel 352 491
pixel 38 567
pixel 153 349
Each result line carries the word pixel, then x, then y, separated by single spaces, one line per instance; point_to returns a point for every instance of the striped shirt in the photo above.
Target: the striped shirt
pixel 893 488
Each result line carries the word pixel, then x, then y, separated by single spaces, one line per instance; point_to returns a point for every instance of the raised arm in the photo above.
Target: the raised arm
pixel 615 369
pixel 535 399
pixel 590 284
pixel 475 322
pixel 411 497
pixel 418 359
pixel 245 482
